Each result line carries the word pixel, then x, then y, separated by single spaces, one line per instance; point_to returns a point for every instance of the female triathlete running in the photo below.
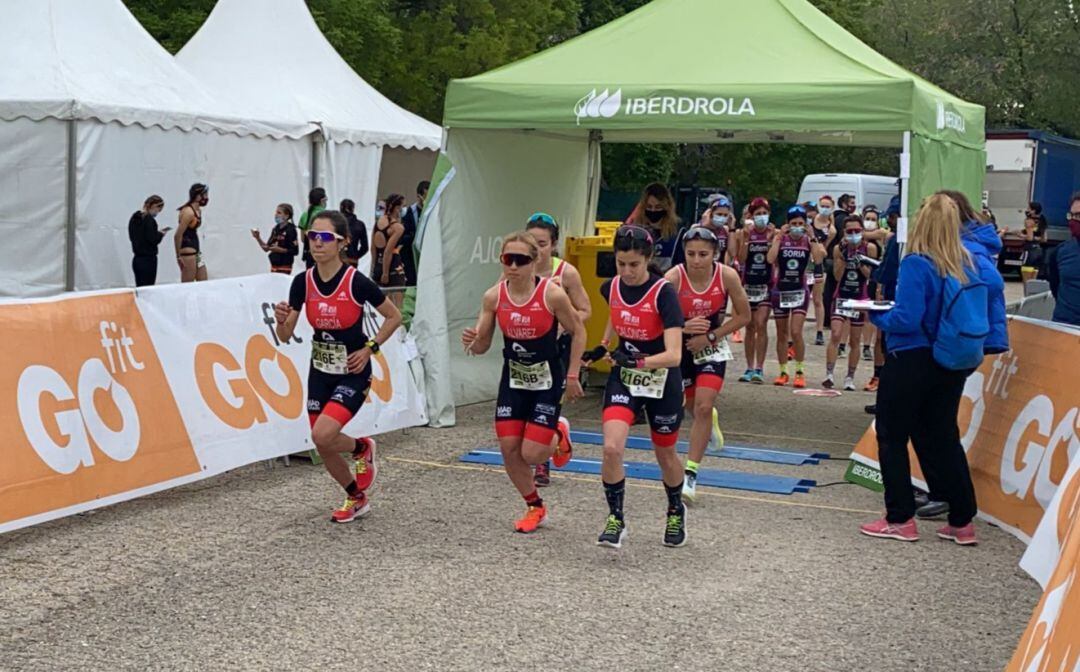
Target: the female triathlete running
pixel 704 287
pixel 332 296
pixel 529 310
pixel 851 283
pixel 757 274
pixel 545 230
pixel 645 374
pixel 791 253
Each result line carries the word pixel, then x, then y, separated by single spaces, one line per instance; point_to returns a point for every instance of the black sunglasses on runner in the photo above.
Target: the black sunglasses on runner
pixel 699 233
pixel 635 232
pixel 514 259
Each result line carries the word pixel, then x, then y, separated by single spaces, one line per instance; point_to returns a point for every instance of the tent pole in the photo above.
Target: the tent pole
pixel 70 196
pixel 592 192
pixel 314 160
pixel 905 188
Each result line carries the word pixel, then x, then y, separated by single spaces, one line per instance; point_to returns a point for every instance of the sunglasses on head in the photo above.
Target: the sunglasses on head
pixel 699 233
pixel 515 259
pixel 323 236
pixel 544 218
pixel 635 232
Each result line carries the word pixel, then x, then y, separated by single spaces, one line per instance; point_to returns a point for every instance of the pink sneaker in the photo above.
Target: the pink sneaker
pixel 886 530
pixel 965 536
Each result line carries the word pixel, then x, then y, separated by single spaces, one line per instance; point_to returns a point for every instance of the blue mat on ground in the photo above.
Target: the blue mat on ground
pixel 728 451
pixel 716 478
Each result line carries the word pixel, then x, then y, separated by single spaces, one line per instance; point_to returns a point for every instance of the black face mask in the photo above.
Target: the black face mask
pixel 654 216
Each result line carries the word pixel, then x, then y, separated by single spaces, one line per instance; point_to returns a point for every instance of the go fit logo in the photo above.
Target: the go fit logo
pixel 86 393
pixel 240 395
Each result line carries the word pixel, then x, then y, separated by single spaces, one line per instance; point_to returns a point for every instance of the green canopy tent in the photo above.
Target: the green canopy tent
pixel 526 136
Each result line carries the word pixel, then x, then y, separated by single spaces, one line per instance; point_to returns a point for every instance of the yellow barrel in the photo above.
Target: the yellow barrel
pixel 607 228
pixel 584 254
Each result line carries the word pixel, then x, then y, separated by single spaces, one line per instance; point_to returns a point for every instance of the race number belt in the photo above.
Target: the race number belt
pixel 847 312
pixel 757 293
pixel 530 377
pixel 330 357
pixel 714 353
pixel 793 299
pixel 647 383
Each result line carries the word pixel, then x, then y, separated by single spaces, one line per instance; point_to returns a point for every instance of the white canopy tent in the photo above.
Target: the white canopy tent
pixel 268 58
pixel 95 116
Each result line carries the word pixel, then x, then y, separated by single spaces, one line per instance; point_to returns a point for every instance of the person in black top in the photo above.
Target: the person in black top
pixel 145 238
pixel 410 218
pixel 282 245
pixel 358 243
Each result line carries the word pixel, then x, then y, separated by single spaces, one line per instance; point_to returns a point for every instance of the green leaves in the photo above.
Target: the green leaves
pixel 1015 57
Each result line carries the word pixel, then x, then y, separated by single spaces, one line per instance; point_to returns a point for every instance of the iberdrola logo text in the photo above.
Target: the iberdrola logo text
pixel 605 105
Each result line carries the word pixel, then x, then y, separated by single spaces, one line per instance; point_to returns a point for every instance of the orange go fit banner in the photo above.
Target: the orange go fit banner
pixel 1020 426
pixel 87 389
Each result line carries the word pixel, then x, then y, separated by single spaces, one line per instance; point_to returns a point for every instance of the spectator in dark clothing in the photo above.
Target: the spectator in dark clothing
pixel 1063 271
pixel 145 238
pixel 358 241
pixel 282 246
pixel 410 219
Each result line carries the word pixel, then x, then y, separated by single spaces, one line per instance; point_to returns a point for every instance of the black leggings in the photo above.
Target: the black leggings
pixel 918 400
pixel 145 269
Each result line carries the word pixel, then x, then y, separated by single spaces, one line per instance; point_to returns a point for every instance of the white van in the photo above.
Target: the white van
pixel 867 189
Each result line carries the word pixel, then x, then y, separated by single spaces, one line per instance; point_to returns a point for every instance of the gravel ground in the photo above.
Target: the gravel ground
pixel 244 571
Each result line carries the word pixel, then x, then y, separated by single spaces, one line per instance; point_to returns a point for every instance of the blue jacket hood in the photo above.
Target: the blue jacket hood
pixel 981 239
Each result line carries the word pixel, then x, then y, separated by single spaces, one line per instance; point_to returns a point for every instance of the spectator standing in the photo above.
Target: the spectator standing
pixel 386 267
pixel 189 254
pixel 919 399
pixel 145 238
pixel 358 241
pixel 316 204
pixel 282 246
pixel 1063 270
pixel 410 219
pixel 655 212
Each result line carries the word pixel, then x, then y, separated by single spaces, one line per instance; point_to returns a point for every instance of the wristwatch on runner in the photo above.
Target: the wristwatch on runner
pixel 712 337
pixel 373 346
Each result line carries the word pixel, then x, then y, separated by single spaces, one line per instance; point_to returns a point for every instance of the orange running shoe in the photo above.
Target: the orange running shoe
pixel 365 463
pixel 790 352
pixel 565 450
pixel 800 380
pixel 737 337
pixel 534 519
pixel 782 379
pixel 353 508
pixel 872 385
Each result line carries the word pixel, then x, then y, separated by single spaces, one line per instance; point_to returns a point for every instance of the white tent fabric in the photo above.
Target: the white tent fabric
pixel 269 59
pixel 96 117
pixel 505 176
pixel 91 59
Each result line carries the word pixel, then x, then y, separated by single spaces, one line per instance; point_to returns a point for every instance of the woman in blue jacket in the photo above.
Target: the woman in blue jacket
pixel 918 399
pixel 984 245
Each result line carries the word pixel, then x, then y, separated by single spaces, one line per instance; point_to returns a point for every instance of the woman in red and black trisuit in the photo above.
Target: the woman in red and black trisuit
pixel 332 296
pixel 529 310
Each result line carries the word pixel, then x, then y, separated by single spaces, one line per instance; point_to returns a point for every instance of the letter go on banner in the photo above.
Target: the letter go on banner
pixel 246 384
pixel 85 406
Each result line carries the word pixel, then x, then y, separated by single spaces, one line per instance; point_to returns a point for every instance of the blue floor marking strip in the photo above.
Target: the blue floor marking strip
pixel 731 452
pixel 733 480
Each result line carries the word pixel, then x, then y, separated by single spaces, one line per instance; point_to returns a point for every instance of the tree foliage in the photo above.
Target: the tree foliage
pixel 1015 57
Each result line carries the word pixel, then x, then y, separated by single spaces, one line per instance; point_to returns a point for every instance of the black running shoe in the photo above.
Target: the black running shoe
pixel 867 354
pixel 675 530
pixel 932 510
pixel 542 477
pixel 613 534
pixel 819 339
pixel 842 349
